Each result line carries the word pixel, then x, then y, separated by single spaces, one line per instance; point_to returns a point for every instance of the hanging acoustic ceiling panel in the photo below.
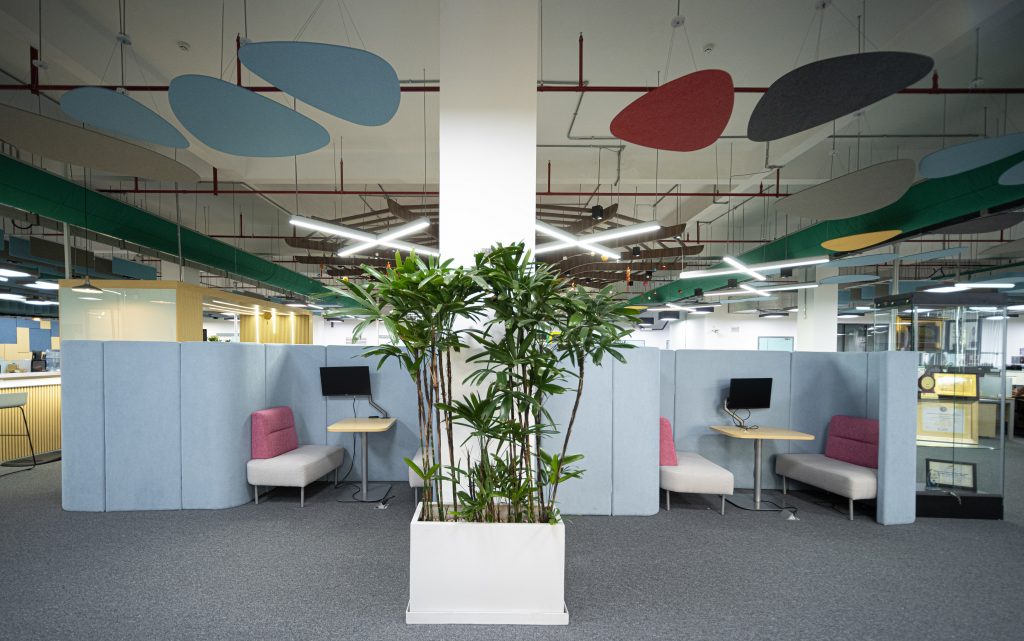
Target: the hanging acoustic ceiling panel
pixel 121 115
pixel 938 254
pixel 984 224
pixel 59 140
pixel 1011 249
pixel 854 194
pixel 842 279
pixel 970 155
pixel 860 241
pixel 1013 176
pixel 863 261
pixel 821 91
pixel 352 84
pixel 237 121
pixel 686 114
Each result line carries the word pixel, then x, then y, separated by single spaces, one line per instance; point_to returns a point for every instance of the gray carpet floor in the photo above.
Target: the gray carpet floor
pixel 339 571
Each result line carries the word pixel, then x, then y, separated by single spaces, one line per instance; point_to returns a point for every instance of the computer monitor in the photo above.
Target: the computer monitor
pixel 345 381
pixel 749 393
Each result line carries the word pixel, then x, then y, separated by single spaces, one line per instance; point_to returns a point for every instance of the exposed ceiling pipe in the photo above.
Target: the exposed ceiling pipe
pixel 362 192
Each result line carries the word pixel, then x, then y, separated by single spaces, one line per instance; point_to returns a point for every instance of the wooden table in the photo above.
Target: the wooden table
pixel 758 434
pixel 365 426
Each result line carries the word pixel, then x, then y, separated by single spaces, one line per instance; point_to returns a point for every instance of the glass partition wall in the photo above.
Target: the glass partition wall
pixel 962 412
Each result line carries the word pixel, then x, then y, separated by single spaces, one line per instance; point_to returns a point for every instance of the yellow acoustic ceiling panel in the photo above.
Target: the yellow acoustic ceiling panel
pixel 860 241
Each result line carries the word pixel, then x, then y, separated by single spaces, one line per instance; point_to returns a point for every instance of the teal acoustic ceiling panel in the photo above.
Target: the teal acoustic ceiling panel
pixel 1013 176
pixel 970 155
pixel 349 83
pixel 119 114
pixel 237 121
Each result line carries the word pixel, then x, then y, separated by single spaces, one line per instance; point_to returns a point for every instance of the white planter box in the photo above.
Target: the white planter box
pixel 486 573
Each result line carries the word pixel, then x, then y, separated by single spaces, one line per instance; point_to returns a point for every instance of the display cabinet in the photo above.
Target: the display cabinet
pixel 964 409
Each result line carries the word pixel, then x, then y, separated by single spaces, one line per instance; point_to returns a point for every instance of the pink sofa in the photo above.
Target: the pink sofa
pixel 849 465
pixel 279 460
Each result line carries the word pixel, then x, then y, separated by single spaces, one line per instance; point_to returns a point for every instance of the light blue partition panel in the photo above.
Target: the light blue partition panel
pixel 896 381
pixel 143 425
pixel 667 383
pixel 635 414
pixel 702 382
pixel 221 385
pixel 82 424
pixel 293 380
pixel 591 437
pixel 395 392
pixel 824 384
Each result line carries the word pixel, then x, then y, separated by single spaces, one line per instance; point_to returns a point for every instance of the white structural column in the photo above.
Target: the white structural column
pixel 816 321
pixel 488 125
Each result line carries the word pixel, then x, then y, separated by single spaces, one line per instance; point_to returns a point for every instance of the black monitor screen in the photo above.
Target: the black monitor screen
pixel 345 381
pixel 750 393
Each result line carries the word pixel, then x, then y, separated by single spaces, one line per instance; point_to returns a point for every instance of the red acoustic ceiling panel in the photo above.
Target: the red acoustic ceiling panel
pixel 686 114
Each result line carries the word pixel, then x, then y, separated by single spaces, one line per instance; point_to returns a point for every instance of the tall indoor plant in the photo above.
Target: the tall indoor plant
pixel 530 335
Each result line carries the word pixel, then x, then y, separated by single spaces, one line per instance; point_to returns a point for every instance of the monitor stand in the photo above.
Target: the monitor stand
pixel 741 423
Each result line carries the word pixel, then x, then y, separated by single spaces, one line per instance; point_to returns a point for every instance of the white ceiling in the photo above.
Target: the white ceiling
pixel 626 43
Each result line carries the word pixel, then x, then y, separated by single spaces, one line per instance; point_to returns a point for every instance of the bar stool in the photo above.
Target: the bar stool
pixel 18 399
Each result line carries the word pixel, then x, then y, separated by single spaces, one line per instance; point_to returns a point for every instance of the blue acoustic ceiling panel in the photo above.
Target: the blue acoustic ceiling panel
pixel 118 114
pixel 236 121
pixel 970 155
pixel 863 261
pixel 842 279
pixel 1013 176
pixel 937 254
pixel 821 91
pixel 352 84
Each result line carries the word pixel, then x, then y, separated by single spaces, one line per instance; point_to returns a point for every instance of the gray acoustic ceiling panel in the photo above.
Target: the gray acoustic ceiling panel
pixel 970 155
pixel 1011 249
pixel 856 193
pixel 844 279
pixel 863 260
pixel 984 224
pixel 821 91
pixel 59 140
pixel 938 254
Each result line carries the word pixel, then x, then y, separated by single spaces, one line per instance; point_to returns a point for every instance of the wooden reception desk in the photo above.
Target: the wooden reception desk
pixel 42 411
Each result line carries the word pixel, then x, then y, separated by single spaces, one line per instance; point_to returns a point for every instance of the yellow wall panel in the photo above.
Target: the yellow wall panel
pixel 44 324
pixel 43 414
pixel 55 343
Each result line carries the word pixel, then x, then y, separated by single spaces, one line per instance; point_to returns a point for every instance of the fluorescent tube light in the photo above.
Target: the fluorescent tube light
pixel 786 288
pixel 761 267
pixel 384 239
pixel 42 284
pixel 565 237
pixel 12 273
pixel 611 234
pixel 743 268
pixel 748 288
pixel 8 296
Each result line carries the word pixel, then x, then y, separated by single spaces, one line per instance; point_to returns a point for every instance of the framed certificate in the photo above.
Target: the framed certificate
pixel 947 421
pixel 950 475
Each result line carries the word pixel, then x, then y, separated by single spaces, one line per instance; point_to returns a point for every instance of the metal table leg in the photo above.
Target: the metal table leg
pixel 753 502
pixel 368 492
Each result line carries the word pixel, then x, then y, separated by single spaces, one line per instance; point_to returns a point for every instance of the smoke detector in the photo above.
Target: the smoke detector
pixel 708 48
pixel 678 21
pixel 183 46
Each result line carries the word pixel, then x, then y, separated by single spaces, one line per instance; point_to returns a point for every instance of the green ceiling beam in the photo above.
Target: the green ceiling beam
pixel 927 204
pixel 40 192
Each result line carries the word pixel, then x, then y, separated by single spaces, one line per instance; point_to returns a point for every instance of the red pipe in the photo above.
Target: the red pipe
pixel 215 184
pixel 361 192
pixel 549 175
pixel 238 60
pixel 261 89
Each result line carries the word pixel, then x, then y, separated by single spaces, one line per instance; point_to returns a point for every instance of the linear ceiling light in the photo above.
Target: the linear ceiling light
pixel 365 237
pixel 786 288
pixel 760 267
pixel 394 234
pixel 959 287
pixel 743 268
pixel 12 273
pixel 42 284
pixel 611 234
pixel 569 240
pixel 8 296
pixel 753 290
